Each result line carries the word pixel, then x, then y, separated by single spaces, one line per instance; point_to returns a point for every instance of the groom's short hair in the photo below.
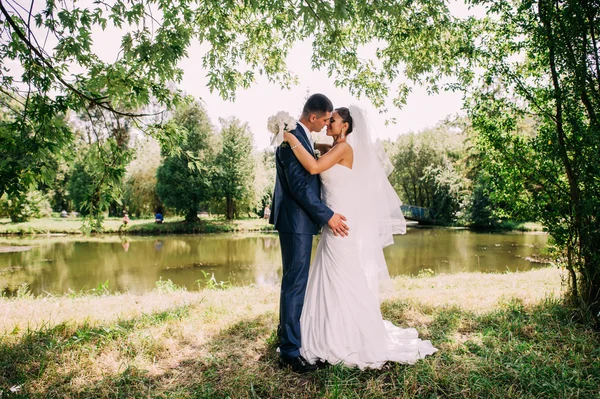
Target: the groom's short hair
pixel 317 104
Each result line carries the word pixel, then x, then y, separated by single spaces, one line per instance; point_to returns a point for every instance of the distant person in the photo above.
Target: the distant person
pixel 267 212
pixel 126 219
pixel 158 217
pixel 63 214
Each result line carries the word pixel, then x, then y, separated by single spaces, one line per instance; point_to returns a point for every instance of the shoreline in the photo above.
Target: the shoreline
pixel 472 291
pixel 136 227
pixel 10 240
pixel 13 249
pixel 172 226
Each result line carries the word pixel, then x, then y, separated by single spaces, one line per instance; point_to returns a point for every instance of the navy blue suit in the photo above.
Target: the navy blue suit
pixel 298 214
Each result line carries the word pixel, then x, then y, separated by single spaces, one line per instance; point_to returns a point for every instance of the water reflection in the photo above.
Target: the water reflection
pixel 458 250
pixel 60 264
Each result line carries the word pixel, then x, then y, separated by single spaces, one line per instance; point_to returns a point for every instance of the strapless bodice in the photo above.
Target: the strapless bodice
pixel 338 191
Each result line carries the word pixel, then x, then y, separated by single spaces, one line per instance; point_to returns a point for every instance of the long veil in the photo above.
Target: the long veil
pixel 379 216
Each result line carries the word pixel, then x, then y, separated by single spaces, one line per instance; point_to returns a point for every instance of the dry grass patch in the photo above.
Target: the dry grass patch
pixel 221 344
pixel 479 292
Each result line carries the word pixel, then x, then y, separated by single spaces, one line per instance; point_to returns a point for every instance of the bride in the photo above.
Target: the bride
pixel 341 320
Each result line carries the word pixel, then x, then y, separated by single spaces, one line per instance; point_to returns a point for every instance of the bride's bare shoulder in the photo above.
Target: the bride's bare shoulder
pixel 344 147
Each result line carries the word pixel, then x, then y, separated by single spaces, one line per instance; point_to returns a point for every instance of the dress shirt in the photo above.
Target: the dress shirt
pixel 308 136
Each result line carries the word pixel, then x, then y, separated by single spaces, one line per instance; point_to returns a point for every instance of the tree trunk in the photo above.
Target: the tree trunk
pixel 545 13
pixel 114 210
pixel 229 213
pixel 589 283
pixel 192 216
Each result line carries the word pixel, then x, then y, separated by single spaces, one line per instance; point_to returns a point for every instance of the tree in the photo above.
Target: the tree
pixel 234 167
pixel 58 190
pixel 38 95
pixel 541 59
pixel 264 180
pixel 139 193
pixel 496 195
pixel 30 151
pixel 91 187
pixel 108 137
pixel 183 180
pixel 428 172
pixel 22 207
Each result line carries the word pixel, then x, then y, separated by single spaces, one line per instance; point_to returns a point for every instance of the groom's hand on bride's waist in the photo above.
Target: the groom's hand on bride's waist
pixel 337 225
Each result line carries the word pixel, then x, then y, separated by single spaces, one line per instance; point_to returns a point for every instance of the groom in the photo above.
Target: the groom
pixel 298 214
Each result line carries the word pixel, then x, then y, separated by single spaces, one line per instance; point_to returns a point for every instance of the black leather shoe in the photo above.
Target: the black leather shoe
pixel 321 364
pixel 297 364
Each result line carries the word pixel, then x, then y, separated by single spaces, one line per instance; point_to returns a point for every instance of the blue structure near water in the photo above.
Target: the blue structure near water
pixel 417 213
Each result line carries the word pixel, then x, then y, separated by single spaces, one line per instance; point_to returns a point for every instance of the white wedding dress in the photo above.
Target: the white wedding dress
pixel 341 320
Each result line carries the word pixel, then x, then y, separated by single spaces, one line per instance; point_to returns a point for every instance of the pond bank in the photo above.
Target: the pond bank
pixel 174 225
pixel 499 335
pixel 10 248
pixel 73 226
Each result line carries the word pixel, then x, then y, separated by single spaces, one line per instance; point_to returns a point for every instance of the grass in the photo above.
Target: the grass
pixel 174 225
pixel 512 225
pixel 521 226
pixel 506 338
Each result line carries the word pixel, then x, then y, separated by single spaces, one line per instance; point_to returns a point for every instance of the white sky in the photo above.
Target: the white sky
pixel 263 99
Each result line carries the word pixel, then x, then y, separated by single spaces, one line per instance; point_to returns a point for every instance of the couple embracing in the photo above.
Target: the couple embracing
pixel 330 311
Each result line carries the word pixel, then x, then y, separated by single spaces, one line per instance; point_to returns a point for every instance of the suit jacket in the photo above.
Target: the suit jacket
pixel 297 206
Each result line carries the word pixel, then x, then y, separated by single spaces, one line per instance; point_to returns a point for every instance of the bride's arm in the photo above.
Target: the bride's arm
pixel 312 165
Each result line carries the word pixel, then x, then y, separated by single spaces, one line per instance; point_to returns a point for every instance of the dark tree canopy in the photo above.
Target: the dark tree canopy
pixel 183 180
pixel 234 167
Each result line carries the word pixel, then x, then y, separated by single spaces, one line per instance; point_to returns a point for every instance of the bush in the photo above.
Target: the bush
pixel 24 206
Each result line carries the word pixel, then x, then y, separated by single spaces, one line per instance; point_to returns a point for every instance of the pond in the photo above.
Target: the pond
pixel 63 264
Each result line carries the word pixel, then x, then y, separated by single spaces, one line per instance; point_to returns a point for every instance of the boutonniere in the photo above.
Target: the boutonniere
pixel 317 154
pixel 277 124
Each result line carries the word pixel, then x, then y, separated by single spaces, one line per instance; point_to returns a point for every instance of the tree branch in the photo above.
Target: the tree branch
pixel 579 68
pixel 29 76
pixel 558 98
pixel 595 45
pixel 94 100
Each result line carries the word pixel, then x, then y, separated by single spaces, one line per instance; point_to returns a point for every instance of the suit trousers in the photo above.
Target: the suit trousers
pixel 295 253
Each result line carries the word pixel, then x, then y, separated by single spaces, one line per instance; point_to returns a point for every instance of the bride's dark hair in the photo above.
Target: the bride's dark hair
pixel 346 117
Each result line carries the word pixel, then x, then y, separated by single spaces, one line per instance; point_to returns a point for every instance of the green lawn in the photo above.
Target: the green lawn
pixel 171 225
pixel 498 335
